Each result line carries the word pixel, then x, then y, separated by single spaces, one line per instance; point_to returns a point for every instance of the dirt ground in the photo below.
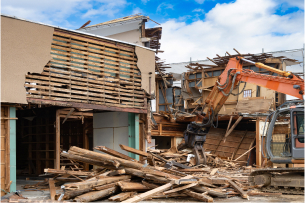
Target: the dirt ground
pixel 45 195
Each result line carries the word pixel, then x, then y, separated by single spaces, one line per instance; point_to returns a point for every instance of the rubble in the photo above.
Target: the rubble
pixel 167 174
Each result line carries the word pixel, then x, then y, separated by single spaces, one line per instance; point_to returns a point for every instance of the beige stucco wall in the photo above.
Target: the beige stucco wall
pixel 146 64
pixel 25 47
pixel 132 36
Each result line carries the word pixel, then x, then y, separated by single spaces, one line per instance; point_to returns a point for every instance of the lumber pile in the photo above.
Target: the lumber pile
pixel 120 178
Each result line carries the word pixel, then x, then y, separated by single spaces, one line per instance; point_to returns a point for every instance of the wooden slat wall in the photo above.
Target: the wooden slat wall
pixel 237 143
pixel 88 70
pixel 5 147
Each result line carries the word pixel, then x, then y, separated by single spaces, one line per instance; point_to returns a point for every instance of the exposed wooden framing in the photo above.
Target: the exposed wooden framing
pixel 233 126
pixel 88 70
pixel 86 106
pixel 239 145
pixel 67 116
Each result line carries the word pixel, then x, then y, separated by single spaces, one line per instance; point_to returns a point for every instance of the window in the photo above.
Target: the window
pixel 247 93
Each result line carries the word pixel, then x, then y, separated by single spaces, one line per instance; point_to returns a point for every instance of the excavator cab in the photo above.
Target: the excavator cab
pixel 285 135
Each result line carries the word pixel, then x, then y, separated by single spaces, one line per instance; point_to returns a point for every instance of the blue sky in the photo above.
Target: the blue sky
pixel 191 28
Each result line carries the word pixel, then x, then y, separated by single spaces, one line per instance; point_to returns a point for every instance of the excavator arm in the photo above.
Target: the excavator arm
pixel 284 82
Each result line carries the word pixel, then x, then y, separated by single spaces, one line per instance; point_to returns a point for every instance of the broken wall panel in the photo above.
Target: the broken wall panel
pixel 25 47
pixel 88 70
pixel 237 143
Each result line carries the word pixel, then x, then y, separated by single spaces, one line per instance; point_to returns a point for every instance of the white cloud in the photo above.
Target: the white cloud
pixel 106 7
pixel 144 1
pixel 243 25
pixel 136 11
pixel 198 10
pixel 56 12
pixel 199 1
pixel 164 6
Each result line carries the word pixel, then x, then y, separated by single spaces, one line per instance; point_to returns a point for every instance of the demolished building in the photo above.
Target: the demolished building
pixel 63 88
pixel 77 106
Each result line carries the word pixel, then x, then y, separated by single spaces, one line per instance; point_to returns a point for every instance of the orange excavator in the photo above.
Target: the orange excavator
pixel 271 180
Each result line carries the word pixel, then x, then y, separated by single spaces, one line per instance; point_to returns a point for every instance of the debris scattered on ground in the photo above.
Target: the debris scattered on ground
pixel 167 174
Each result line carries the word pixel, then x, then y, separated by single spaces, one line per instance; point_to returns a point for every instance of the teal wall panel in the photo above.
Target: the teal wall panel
pixel 13 149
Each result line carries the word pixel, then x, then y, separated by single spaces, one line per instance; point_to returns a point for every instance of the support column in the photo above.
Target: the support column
pixel 258 145
pixel 12 125
pixel 57 141
pixel 133 132
pixel 137 134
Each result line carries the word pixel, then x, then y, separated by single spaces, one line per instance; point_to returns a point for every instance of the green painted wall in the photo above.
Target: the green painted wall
pixel 13 149
pixel 133 132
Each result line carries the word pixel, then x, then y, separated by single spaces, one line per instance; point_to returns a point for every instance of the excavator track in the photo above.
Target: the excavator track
pixel 283 180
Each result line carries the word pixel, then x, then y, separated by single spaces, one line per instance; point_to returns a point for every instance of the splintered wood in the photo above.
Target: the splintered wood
pixel 120 178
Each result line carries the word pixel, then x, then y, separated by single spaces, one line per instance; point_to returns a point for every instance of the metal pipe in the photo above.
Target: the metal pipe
pixel 269 68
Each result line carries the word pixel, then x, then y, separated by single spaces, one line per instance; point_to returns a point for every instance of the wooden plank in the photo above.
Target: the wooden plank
pixel 114 153
pixel 52 189
pixel 122 196
pixel 103 187
pixel 96 195
pixel 149 193
pixel 96 183
pixel 238 189
pixel 132 150
pixel 201 197
pixel 132 186
pixel 180 188
pixel 57 171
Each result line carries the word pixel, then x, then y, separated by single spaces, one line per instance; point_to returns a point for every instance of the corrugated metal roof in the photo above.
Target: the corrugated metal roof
pixel 119 20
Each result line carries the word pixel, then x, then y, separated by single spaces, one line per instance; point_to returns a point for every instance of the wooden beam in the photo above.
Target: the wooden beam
pixel 135 151
pixel 56 171
pixel 57 140
pixel 86 106
pixel 122 196
pixel 149 193
pixel 95 195
pixel 231 117
pixel 67 116
pixel 232 128
pixel 258 145
pixel 180 188
pixel 132 186
pixel 52 189
pixel 244 153
pixel 114 153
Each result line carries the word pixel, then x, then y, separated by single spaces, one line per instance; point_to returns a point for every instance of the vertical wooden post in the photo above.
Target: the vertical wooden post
pixel 85 141
pixel 57 140
pixel 173 142
pixel 258 145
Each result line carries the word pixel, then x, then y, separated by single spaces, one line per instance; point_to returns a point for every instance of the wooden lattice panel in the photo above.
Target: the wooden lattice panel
pixel 88 70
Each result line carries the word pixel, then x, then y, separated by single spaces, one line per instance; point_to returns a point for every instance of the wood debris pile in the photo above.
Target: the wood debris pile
pixel 118 177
